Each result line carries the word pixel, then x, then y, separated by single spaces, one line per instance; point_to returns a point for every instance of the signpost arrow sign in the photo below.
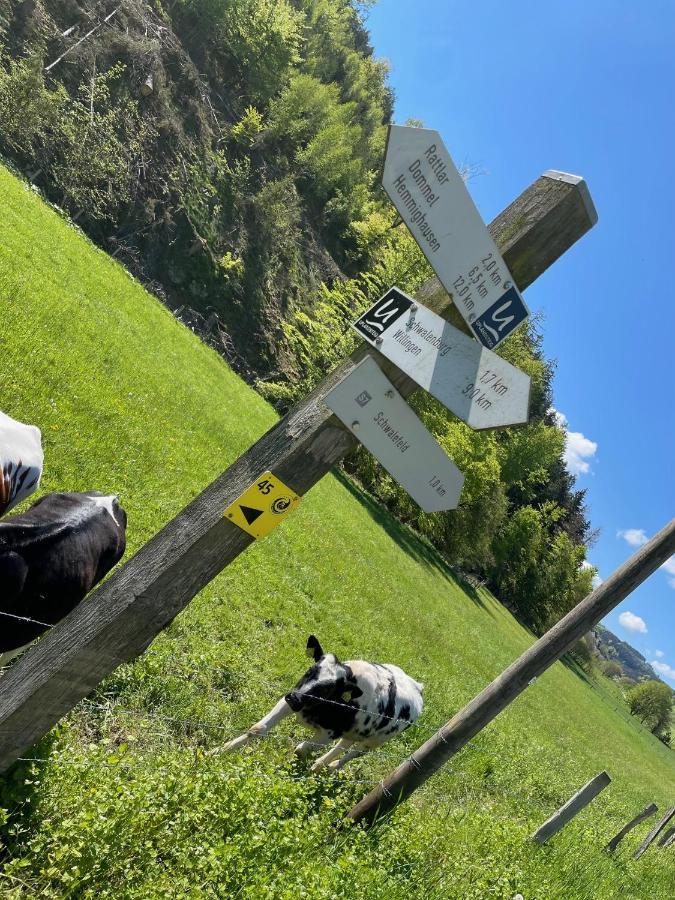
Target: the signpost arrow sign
pixel 428 192
pixel 367 402
pixel 472 382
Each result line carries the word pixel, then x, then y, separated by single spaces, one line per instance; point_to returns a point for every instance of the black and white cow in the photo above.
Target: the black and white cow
pixel 51 556
pixel 361 704
pixel 21 461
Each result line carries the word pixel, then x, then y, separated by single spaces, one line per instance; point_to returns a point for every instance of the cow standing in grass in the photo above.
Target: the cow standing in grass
pixel 51 556
pixel 361 704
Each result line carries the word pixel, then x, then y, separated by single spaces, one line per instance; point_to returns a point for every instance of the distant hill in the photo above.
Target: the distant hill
pixel 608 646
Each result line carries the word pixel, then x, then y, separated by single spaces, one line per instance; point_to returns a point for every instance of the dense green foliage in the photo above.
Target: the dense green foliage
pixel 238 183
pixel 128 803
pixel 652 702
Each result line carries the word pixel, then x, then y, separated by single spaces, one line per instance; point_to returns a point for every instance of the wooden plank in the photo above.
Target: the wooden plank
pixel 654 833
pixel 486 705
pixel 641 816
pixel 668 838
pixel 142 597
pixel 575 804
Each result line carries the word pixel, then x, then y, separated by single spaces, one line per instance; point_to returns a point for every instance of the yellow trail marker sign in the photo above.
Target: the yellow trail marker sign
pixel 262 506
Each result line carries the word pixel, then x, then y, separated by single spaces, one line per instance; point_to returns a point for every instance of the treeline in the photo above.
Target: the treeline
pixel 228 152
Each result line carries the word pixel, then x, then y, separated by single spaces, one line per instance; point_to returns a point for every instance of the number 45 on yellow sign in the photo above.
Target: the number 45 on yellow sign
pixel 262 506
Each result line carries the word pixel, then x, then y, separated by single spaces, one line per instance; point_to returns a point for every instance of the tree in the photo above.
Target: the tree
pixel 612 669
pixel 651 702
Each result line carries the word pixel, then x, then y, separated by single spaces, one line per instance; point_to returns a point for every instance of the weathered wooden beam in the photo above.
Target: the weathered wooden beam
pixel 654 833
pixel 641 816
pixel 142 597
pixel 575 804
pixel 429 758
pixel 668 838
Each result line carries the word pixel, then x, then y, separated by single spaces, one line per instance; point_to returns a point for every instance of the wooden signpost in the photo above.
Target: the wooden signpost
pixel 124 614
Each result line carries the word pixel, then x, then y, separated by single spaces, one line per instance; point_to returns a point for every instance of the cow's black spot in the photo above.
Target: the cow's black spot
pixel 387 707
pixel 404 712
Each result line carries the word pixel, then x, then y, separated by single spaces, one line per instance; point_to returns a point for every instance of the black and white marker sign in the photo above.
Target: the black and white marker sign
pixel 432 199
pixel 368 403
pixel 472 382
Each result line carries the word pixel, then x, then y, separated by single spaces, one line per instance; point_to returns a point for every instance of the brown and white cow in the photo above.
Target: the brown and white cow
pixel 51 556
pixel 360 704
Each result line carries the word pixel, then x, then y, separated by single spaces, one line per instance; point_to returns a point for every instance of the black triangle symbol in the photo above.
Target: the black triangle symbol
pixel 250 514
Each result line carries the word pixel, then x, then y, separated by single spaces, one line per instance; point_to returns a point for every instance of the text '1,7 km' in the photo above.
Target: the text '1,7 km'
pixel 431 197
pixel 471 381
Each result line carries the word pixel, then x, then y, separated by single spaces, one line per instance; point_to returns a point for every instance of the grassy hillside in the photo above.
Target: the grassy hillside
pixel 122 801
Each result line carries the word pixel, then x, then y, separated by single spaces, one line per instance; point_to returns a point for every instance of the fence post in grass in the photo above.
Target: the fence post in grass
pixel 484 707
pixel 668 838
pixel 654 833
pixel 575 804
pixel 142 597
pixel 641 816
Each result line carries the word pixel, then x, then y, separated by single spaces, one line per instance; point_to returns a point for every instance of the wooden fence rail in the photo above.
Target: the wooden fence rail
pixel 641 816
pixel 574 805
pixel 654 833
pixel 142 597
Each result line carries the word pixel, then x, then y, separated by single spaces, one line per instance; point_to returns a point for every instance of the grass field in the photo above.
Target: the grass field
pixel 123 802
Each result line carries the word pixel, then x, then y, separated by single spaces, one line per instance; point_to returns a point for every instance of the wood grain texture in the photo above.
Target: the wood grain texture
pixel 123 615
pixel 654 833
pixel 667 838
pixel 484 707
pixel 629 826
pixel 575 804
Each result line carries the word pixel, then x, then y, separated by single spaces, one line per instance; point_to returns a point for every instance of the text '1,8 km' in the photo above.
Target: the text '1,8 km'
pixel 468 379
pixel 431 197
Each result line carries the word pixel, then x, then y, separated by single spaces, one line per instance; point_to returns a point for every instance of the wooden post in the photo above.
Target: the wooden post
pixel 142 597
pixel 654 833
pixel 429 758
pixel 645 814
pixel 574 805
pixel 668 838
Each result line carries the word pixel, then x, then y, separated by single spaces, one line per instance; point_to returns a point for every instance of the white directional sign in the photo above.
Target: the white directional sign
pixel 368 403
pixel 472 382
pixel 431 197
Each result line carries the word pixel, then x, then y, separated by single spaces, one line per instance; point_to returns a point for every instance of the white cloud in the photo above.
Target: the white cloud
pixel 636 537
pixel 631 622
pixel 578 448
pixel 662 668
pixel 658 654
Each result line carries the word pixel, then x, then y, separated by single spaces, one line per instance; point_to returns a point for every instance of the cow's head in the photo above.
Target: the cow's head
pixel 327 679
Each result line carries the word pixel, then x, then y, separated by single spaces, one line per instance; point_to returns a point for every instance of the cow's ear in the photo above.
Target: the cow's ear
pixel 314 648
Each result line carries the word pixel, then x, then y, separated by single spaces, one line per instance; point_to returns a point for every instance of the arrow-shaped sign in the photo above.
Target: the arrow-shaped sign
pixel 472 382
pixel 429 193
pixel 369 404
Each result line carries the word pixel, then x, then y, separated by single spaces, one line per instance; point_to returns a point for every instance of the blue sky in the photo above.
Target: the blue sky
pixel 518 88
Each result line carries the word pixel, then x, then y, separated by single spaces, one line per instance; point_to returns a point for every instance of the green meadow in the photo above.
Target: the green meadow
pixel 123 799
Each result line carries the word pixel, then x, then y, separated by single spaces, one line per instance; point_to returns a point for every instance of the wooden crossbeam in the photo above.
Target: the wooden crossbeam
pixel 143 596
